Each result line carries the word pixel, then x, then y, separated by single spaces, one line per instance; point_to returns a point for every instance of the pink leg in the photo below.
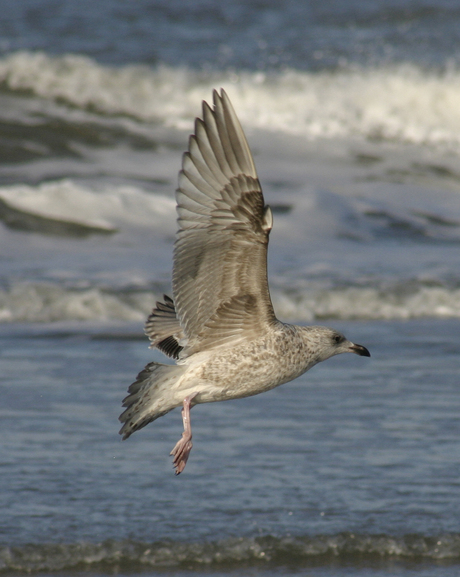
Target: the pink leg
pixel 184 445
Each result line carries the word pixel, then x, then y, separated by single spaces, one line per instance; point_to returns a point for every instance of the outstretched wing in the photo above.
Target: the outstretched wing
pixel 220 257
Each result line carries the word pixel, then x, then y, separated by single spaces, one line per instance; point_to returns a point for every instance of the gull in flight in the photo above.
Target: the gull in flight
pixel 220 327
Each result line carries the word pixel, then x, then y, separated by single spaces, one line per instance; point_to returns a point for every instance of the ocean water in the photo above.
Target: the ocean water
pixel 351 110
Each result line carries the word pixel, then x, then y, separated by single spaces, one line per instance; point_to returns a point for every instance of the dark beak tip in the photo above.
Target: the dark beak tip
pixel 360 350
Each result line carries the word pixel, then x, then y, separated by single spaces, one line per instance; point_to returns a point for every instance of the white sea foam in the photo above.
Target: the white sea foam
pixel 403 102
pixel 41 302
pixel 370 304
pixel 105 208
pixel 46 302
pixel 346 226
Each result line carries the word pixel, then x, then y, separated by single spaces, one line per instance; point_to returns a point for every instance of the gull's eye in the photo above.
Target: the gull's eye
pixel 338 339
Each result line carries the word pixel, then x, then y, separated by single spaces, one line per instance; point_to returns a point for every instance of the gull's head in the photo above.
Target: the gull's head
pixel 325 343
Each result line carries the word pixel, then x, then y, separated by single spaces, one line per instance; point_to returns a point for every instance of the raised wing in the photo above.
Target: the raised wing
pixel 220 257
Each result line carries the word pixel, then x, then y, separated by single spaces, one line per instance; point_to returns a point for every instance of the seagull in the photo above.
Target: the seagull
pixel 220 327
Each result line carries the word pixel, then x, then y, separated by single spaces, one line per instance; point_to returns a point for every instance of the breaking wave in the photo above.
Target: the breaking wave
pixel 47 302
pixel 68 208
pixel 110 556
pixel 404 103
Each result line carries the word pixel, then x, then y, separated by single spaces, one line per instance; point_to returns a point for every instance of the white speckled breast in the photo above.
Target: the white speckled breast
pixel 251 368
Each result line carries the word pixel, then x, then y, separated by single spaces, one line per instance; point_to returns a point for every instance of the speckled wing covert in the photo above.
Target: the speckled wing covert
pixel 220 257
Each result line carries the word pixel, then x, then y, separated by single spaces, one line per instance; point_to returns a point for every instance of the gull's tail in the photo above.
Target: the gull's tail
pixel 150 396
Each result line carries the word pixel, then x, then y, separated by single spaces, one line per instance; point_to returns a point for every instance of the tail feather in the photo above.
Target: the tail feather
pixel 149 397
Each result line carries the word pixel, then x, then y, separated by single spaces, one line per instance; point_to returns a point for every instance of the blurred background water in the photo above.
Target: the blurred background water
pixel 351 109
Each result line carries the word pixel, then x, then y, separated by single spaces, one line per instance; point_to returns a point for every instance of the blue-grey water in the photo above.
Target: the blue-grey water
pixel 351 109
pixel 354 466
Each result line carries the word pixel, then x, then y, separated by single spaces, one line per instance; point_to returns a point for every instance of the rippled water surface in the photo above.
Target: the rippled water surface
pixel 355 463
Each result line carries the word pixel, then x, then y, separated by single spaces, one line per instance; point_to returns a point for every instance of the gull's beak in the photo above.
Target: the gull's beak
pixel 360 350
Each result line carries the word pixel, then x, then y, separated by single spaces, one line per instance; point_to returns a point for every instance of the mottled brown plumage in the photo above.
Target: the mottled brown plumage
pixel 221 327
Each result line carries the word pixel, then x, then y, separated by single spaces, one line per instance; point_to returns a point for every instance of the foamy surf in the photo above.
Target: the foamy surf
pixel 403 102
pixel 94 208
pixel 350 216
pixel 47 302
